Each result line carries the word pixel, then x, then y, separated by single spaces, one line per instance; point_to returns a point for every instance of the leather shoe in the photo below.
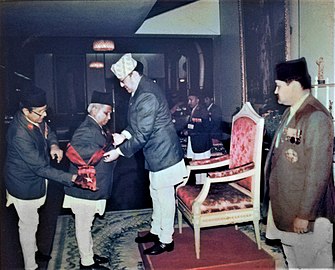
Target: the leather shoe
pixel 93 267
pixel 40 257
pixel 99 259
pixel 149 237
pixel 159 248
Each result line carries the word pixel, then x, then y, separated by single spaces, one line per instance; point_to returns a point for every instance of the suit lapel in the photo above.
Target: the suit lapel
pixel 271 158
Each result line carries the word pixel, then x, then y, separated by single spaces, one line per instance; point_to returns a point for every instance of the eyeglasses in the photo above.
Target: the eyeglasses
pixel 125 78
pixel 39 114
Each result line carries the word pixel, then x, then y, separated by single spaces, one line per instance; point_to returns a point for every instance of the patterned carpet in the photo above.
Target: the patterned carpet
pixel 114 235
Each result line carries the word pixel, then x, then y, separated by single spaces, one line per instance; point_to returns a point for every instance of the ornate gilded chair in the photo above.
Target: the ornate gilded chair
pixel 231 192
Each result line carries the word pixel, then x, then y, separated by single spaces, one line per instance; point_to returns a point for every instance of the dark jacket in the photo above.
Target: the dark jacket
pixel 28 159
pixel 151 127
pixel 86 140
pixel 300 174
pixel 199 129
pixel 215 116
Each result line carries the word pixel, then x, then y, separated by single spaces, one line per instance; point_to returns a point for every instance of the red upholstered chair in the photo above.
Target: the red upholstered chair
pixel 231 192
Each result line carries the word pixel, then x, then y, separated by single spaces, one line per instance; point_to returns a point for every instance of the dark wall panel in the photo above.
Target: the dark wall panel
pixel 44 76
pixel 70 91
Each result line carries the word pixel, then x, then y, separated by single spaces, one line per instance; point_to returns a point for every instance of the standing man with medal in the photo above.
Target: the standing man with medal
pixel 298 172
pixel 198 133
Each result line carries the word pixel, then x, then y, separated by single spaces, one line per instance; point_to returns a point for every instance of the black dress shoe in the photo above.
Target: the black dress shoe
pixel 93 267
pixel 149 237
pixel 159 248
pixel 40 257
pixel 99 259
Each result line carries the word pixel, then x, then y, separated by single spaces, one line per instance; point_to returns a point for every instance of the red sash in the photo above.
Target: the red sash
pixel 86 171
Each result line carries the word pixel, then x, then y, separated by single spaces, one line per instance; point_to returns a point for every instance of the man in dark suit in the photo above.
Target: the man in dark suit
pixel 198 132
pixel 299 172
pixel 150 128
pixel 215 117
pixel 86 141
pixel 29 144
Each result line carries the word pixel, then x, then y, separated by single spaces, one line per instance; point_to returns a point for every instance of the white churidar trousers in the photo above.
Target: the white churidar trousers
pixel 84 211
pixel 162 192
pixel 27 211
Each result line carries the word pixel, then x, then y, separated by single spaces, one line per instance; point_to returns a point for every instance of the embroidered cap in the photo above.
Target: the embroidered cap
pixel 124 66
pixel 294 70
pixel 33 96
pixel 102 98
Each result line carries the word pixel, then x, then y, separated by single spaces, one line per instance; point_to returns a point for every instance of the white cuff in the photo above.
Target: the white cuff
pixel 127 134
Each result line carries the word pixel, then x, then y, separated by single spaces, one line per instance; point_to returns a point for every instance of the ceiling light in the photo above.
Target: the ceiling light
pixel 103 45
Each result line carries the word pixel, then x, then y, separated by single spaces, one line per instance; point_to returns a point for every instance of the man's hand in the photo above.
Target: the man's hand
pixel 111 155
pixel 56 152
pixel 300 225
pixel 118 139
pixel 84 182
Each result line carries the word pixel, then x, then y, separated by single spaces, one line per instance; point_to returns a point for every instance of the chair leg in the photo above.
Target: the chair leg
pixel 197 240
pixel 180 221
pixel 257 233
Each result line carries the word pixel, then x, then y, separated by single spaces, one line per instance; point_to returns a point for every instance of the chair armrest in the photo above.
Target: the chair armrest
pixel 209 163
pixel 224 176
pixel 237 170
pixel 232 174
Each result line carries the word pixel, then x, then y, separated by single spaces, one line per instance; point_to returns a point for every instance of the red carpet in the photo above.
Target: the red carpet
pixel 221 248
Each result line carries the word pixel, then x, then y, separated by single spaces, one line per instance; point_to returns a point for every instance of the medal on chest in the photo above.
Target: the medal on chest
pixel 291 155
pixel 293 135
